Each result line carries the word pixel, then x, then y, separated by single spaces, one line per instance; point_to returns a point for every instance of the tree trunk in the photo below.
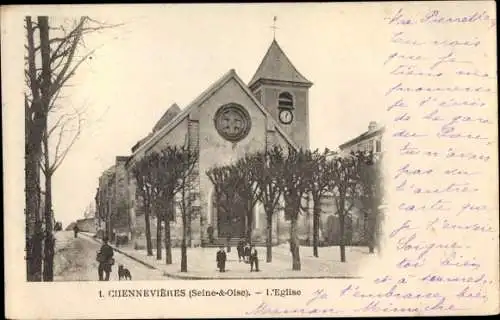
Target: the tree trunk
pixel 149 246
pixel 158 235
pixel 168 243
pixel 48 263
pixel 269 239
pixel 249 222
pixel 184 244
pixel 188 230
pixel 33 221
pixel 371 231
pixel 316 216
pixel 48 260
pixel 342 236
pixel 294 244
pixel 34 128
pixel 278 228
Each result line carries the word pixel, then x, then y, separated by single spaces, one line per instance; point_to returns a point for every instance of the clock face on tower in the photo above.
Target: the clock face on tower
pixel 286 116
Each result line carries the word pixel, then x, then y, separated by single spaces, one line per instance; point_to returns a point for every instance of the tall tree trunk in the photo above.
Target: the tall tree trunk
pixel 342 235
pixel 184 244
pixel 158 234
pixel 316 216
pixel 168 243
pixel 149 246
pixel 48 263
pixel 48 260
pixel 33 221
pixel 294 244
pixel 35 122
pixel 278 228
pixel 269 239
pixel 188 230
pixel 249 226
pixel 371 223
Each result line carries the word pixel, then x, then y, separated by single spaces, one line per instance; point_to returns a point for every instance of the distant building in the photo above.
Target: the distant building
pixel 112 203
pixel 368 141
pixel 87 225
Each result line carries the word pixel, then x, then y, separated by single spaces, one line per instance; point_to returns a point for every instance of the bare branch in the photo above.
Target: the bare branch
pixel 62 156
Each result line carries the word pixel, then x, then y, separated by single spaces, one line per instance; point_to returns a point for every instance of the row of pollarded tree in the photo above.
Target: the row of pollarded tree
pixel 289 174
pixel 53 55
pixel 267 177
pixel 160 178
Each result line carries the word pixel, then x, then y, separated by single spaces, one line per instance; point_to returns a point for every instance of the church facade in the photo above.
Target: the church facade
pixel 225 122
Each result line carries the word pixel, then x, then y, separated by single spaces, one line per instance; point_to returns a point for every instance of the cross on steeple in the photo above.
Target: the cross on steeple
pixel 274 27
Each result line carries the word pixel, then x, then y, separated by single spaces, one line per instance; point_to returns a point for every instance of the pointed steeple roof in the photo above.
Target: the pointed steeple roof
pixel 276 66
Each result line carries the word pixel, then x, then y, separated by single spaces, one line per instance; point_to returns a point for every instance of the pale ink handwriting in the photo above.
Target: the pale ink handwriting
pixel 438 205
pixel 446 224
pixel 434 16
pixel 400 87
pixel 400 37
pixel 470 207
pixel 453 187
pixel 422 248
pixel 440 278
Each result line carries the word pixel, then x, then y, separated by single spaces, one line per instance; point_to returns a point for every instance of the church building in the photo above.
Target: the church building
pixel 225 122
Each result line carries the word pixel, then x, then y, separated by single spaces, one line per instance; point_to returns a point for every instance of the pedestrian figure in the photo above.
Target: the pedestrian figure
pixel 75 230
pixel 254 259
pixel 221 259
pixel 240 248
pixel 246 252
pixel 105 259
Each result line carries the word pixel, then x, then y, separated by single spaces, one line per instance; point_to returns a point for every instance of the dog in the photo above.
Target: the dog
pixel 123 273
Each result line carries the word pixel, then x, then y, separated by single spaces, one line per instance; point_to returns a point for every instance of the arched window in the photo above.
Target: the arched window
pixel 285 100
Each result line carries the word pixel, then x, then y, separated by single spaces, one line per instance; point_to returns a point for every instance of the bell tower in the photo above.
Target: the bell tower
pixel 284 92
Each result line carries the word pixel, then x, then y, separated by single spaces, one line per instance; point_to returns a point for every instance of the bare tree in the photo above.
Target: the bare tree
pixel 344 182
pixel 59 58
pixel 268 167
pixel 370 193
pixel 318 181
pixel 294 184
pixel 245 172
pixel 224 179
pixel 185 165
pixel 143 175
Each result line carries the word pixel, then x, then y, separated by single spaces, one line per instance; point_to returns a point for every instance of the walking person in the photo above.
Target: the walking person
pixel 246 253
pixel 240 248
pixel 105 259
pixel 254 259
pixel 221 260
pixel 75 230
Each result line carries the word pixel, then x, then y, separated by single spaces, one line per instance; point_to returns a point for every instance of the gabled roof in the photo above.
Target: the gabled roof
pixel 231 74
pixel 276 66
pixel 167 116
pixel 364 136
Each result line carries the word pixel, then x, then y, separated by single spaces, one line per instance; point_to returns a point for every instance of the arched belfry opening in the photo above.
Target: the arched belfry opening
pixel 285 100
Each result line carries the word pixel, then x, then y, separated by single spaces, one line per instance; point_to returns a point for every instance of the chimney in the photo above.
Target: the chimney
pixel 372 126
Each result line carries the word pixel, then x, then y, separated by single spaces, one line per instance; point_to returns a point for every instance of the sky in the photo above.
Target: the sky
pixel 171 53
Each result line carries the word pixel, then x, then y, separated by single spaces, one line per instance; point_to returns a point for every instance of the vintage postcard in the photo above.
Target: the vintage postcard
pixel 250 160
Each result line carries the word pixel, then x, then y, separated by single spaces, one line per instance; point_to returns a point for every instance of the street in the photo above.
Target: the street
pixel 75 261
